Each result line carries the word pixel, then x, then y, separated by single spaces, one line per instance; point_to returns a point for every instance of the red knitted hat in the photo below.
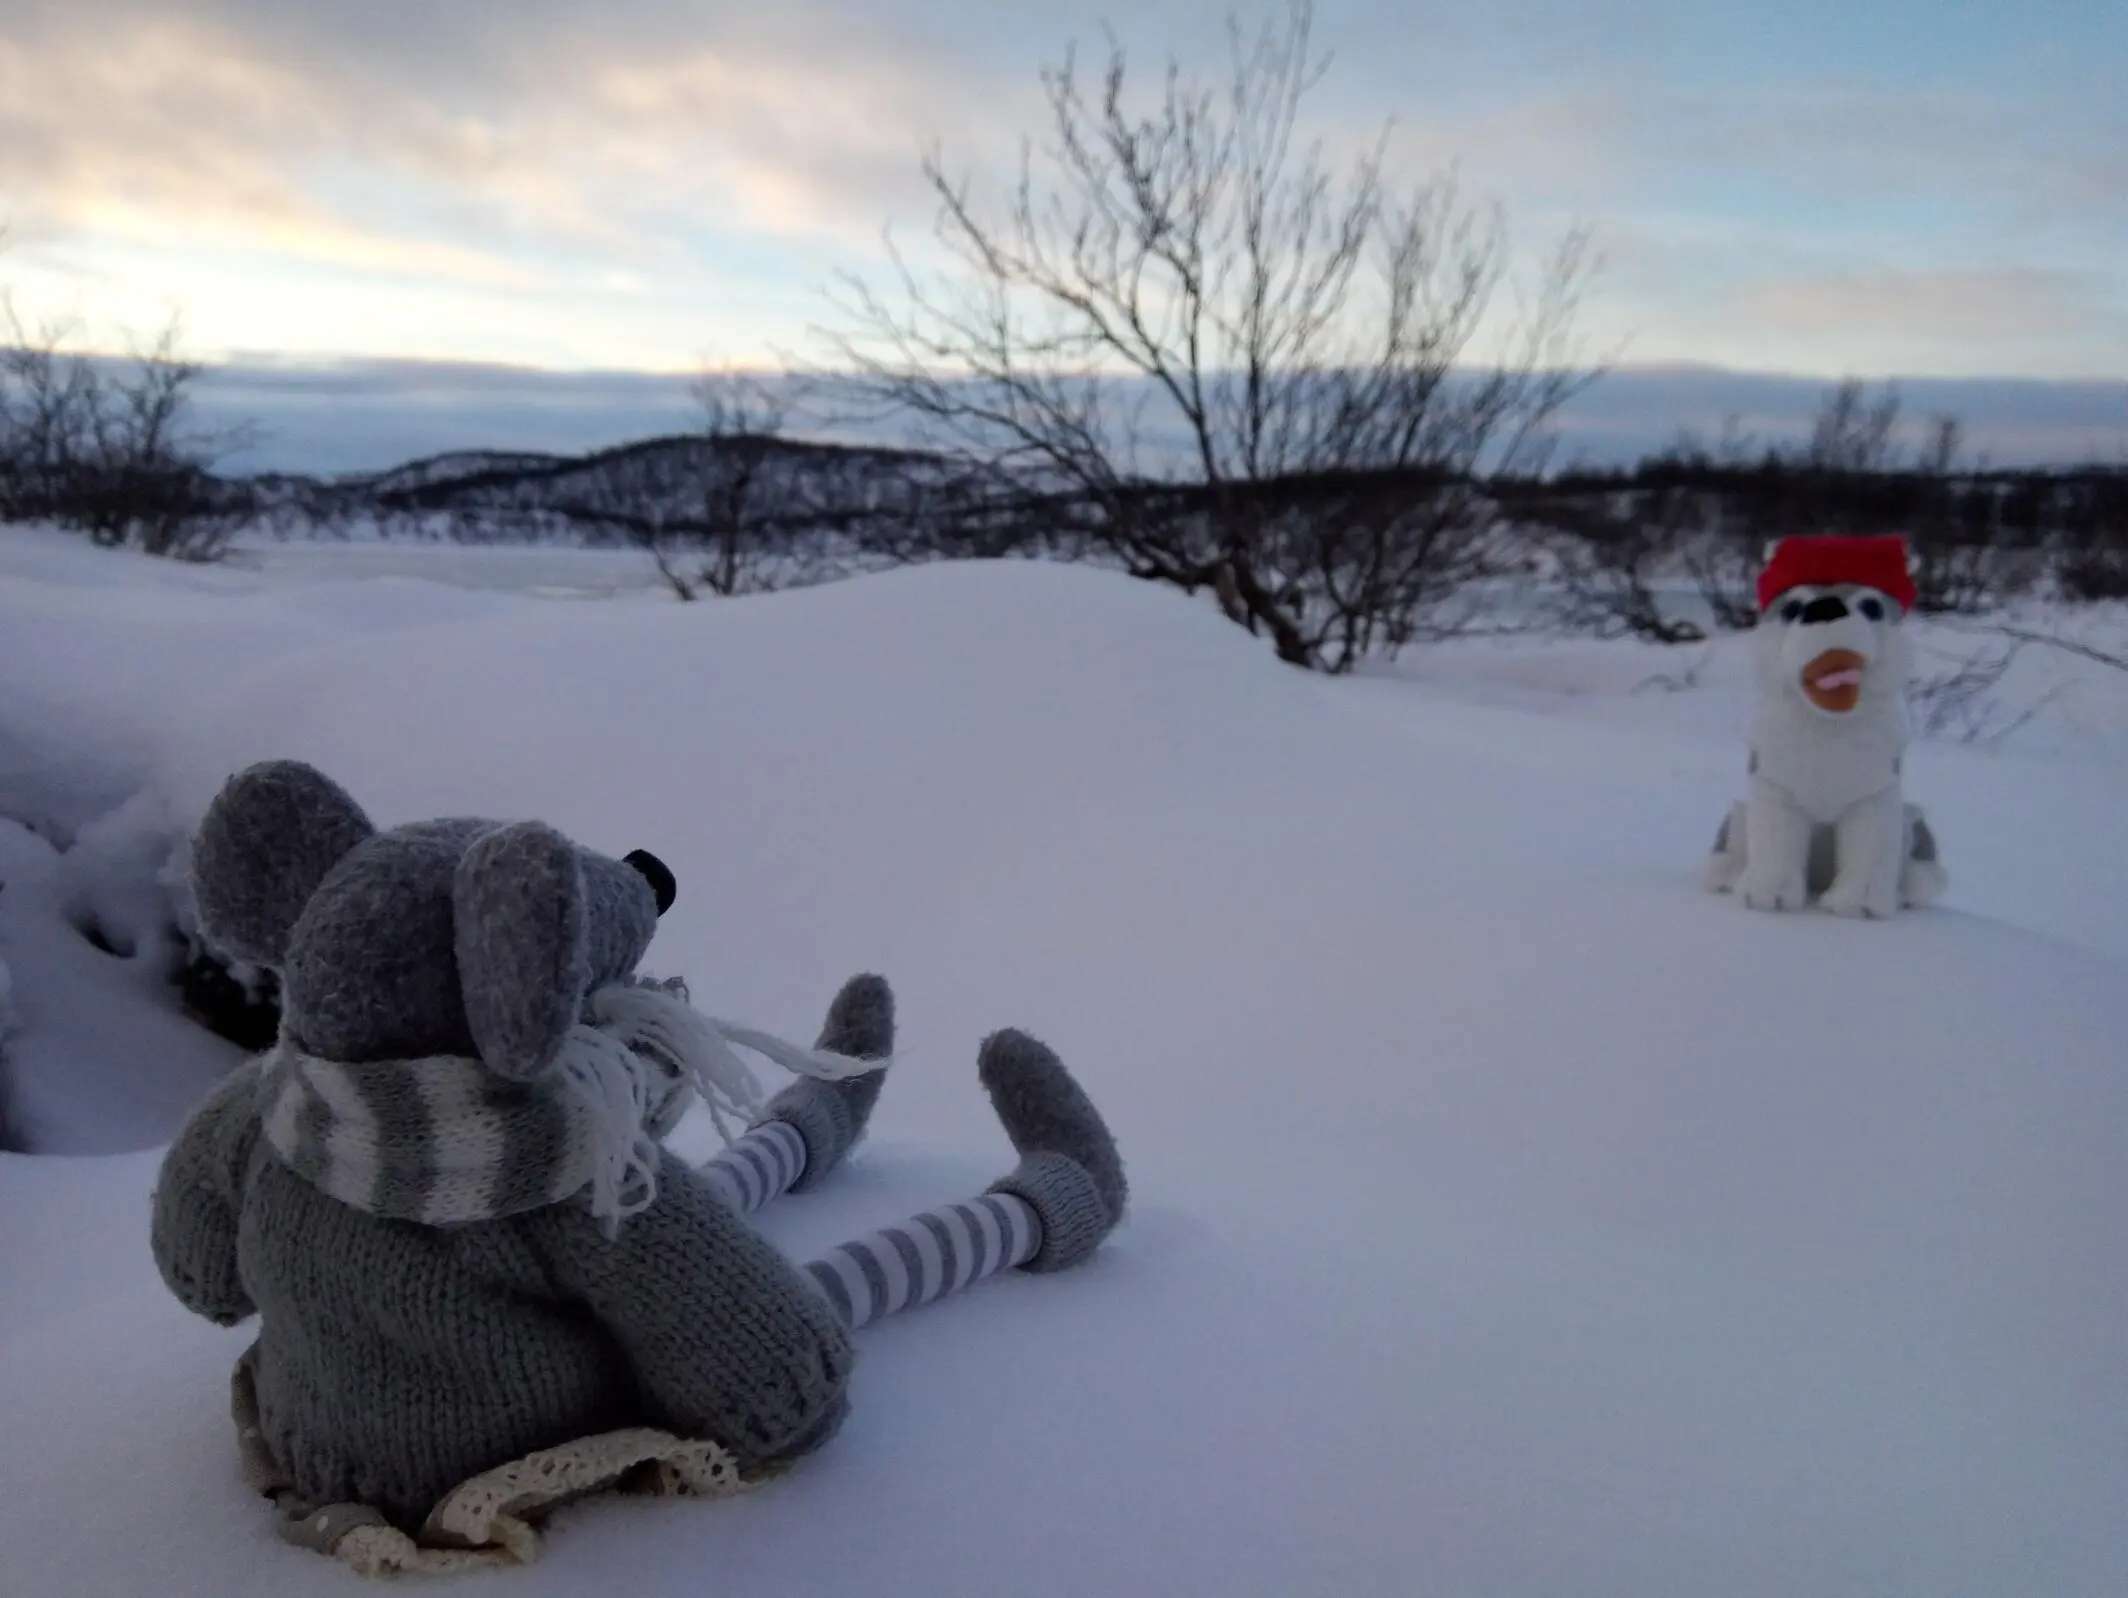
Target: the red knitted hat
pixel 1877 562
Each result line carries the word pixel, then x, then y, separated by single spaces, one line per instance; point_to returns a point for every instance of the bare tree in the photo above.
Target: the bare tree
pixel 731 507
pixel 1240 367
pixel 723 527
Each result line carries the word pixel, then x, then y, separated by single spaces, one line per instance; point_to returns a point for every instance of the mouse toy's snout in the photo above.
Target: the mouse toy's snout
pixel 657 874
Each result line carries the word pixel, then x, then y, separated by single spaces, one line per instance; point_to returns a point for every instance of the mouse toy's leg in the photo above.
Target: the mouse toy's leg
pixel 762 1165
pixel 1053 1210
pixel 811 1125
pixel 927 1256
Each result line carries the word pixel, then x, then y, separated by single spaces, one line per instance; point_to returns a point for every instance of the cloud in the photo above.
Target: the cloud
pixel 1999 157
pixel 524 117
pixel 2004 304
pixel 1924 321
pixel 545 159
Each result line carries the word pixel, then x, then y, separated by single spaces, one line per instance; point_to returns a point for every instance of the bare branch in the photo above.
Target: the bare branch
pixel 2063 642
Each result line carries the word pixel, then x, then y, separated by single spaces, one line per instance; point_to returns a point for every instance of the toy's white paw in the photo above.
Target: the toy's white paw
pixel 1842 899
pixel 1773 893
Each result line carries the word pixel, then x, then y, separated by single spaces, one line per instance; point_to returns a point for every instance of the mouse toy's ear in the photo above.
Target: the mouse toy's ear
pixel 523 964
pixel 265 844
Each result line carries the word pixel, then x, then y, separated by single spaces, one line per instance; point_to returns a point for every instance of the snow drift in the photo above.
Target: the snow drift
pixel 1511 1217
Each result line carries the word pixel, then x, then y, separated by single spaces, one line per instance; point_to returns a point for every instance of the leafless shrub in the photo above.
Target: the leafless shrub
pixel 108 449
pixel 708 534
pixel 1722 564
pixel 743 420
pixel 1721 546
pixel 1685 679
pixel 2094 576
pixel 1610 555
pixel 1851 432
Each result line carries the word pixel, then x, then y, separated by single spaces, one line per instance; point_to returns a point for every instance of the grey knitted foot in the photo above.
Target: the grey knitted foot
pixel 831 1116
pixel 1069 1172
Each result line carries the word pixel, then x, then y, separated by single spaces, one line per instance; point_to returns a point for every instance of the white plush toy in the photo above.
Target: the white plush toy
pixel 1825 813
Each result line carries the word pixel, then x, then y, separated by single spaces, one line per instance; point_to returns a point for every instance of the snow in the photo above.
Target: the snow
pixel 1510 1217
pixel 98 1062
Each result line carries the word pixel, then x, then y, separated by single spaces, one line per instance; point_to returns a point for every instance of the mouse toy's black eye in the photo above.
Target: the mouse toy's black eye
pixel 1871 607
pixel 657 874
pixel 1791 610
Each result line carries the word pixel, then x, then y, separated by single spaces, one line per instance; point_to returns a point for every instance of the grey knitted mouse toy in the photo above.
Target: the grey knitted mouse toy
pixel 443 1195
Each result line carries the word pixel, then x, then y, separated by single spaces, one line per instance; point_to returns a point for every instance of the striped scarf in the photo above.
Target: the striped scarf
pixel 443 1142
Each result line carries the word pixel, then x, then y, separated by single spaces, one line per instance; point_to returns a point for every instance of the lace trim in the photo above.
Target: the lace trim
pixel 493 1520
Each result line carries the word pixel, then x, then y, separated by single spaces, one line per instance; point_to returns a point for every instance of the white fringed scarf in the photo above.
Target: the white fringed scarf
pixel 444 1142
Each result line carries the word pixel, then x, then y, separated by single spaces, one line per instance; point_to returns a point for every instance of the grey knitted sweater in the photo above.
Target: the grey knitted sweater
pixel 396 1360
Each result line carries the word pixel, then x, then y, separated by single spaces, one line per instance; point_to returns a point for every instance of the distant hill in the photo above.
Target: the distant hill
pixel 678 491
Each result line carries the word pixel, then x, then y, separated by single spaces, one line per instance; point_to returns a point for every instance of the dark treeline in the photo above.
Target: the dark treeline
pixel 1979 536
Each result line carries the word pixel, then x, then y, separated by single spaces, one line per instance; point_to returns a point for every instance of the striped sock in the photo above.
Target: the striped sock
pixel 760 1166
pixel 927 1256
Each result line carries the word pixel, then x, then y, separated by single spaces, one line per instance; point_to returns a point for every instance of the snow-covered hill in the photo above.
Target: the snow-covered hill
pixel 1511 1218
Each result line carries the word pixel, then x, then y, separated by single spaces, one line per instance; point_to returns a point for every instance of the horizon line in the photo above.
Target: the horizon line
pixel 292 361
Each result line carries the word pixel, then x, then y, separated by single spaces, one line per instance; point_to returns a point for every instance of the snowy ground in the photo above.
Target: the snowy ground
pixel 1511 1218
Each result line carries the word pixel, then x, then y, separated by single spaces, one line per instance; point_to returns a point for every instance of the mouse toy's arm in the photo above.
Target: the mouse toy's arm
pixel 728 1339
pixel 194 1222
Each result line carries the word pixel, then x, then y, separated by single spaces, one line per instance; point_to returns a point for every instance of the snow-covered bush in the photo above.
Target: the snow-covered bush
pixel 105 1052
pixel 2095 575
pixel 237 1001
pixel 128 884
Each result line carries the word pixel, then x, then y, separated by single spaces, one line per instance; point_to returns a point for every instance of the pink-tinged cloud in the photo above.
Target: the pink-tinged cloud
pixel 371 177
pixel 600 145
pixel 1945 309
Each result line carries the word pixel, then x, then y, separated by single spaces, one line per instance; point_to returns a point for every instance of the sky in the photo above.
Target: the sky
pixel 353 416
pixel 1927 188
